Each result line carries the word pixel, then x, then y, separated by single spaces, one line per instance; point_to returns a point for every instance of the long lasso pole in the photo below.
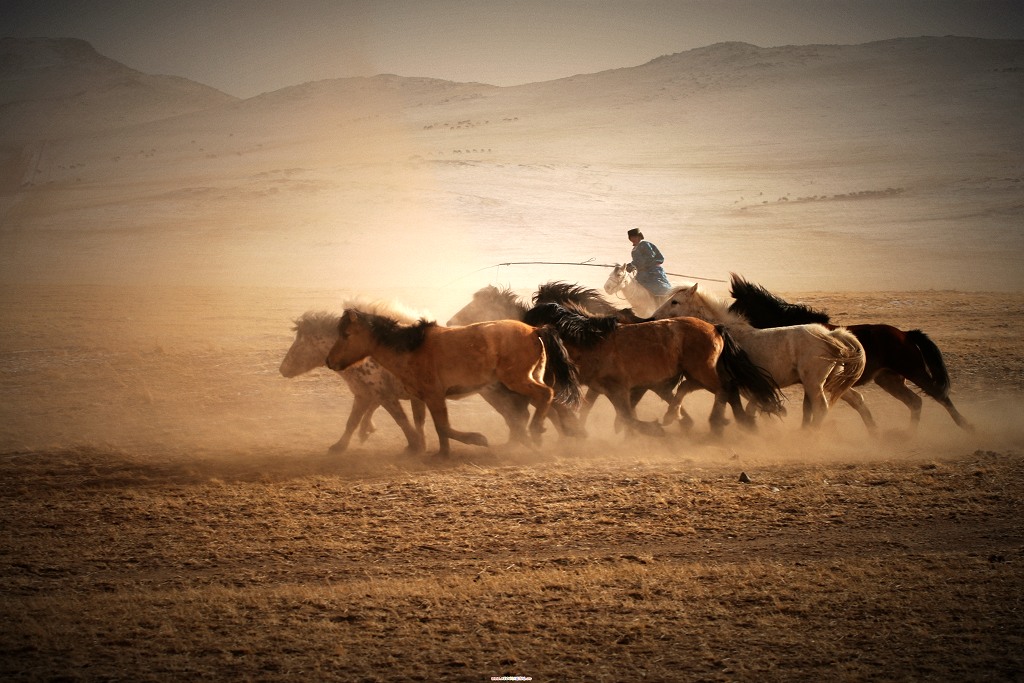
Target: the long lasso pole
pixel 593 265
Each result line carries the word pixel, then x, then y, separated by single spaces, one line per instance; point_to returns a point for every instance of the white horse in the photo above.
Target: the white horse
pixel 826 362
pixel 640 299
pixel 371 385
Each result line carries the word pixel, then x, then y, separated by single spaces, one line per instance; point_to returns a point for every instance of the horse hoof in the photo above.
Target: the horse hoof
pixel 477 440
pixel 650 428
pixel 337 449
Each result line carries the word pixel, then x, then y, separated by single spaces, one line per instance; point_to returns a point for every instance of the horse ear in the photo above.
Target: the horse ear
pixel 692 290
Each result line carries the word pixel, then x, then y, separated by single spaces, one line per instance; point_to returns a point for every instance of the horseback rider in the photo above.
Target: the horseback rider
pixel 646 264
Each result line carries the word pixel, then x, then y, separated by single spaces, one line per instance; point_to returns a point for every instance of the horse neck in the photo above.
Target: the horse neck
pixel 707 308
pixel 639 298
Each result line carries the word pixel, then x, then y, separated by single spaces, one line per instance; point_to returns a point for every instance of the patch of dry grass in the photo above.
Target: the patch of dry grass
pixel 116 567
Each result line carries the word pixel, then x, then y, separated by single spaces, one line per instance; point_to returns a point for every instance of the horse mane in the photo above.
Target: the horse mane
pixel 390 333
pixel 502 297
pixel 564 293
pixel 574 323
pixel 390 309
pixel 585 299
pixel 765 309
pixel 316 323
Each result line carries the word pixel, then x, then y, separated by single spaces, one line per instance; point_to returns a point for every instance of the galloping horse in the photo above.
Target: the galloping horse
pixel 492 303
pixel 615 358
pixel 371 385
pixel 826 362
pixel 436 362
pixel 641 300
pixel 893 355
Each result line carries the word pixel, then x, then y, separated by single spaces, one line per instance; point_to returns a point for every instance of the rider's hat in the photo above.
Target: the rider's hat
pixel 634 232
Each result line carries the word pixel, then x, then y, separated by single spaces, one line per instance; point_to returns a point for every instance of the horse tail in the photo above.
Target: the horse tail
pixel 565 378
pixel 850 362
pixel 735 367
pixel 934 364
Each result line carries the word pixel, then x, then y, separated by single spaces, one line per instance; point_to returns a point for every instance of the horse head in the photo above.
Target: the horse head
pixel 682 301
pixel 355 340
pixel 315 332
pixel 617 279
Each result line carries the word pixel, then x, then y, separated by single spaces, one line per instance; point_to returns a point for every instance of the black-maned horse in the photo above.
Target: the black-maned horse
pixel 615 358
pixel 435 363
pixel 493 303
pixel 893 356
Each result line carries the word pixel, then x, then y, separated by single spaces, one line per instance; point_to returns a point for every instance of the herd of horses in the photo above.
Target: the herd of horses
pixel 569 345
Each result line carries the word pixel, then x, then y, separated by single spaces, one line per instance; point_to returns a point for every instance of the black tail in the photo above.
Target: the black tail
pixel 936 366
pixel 560 368
pixel 735 368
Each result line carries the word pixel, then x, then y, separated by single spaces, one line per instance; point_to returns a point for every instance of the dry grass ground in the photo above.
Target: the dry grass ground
pixel 168 514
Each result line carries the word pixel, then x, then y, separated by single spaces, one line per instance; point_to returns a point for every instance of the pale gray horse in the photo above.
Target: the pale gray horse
pixel 826 362
pixel 621 281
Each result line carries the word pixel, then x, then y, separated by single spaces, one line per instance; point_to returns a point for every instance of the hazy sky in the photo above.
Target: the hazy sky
pixel 245 47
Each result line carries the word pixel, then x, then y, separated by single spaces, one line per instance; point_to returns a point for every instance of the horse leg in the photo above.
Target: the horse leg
pixel 540 395
pixel 513 409
pixel 588 403
pixel 959 419
pixel 366 426
pixel 731 395
pixel 856 399
pixel 896 386
pixel 815 405
pixel 419 418
pixel 619 397
pixel 541 398
pixel 413 437
pixel 675 410
pixel 718 420
pixel 565 420
pixel 438 408
pixel 360 406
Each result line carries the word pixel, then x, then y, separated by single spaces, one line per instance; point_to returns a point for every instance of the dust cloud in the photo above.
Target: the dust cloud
pixel 150 271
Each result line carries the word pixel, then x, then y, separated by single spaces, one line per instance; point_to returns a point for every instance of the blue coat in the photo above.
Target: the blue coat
pixel 647 260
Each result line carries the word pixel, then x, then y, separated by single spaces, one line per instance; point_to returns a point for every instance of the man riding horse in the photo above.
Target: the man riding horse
pixel 646 264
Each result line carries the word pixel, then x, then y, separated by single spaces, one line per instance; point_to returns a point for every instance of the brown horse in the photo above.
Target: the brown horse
pixel 492 303
pixel 436 362
pixel 614 358
pixel 893 356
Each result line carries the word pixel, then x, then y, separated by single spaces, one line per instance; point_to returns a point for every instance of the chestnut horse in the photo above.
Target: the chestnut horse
pixel 614 358
pixel 893 356
pixel 436 362
pixel 826 362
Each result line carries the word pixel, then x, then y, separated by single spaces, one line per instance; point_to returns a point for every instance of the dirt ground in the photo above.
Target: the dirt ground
pixel 169 513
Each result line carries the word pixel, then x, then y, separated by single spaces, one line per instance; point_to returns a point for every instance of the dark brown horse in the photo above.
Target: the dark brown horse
pixel 893 356
pixel 614 358
pixel 436 362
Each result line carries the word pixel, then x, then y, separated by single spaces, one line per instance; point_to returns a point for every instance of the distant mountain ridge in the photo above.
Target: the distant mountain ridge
pixel 57 87
pixel 61 87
